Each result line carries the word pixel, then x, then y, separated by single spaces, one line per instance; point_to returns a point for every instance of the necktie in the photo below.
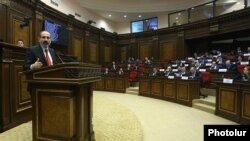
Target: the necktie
pixel 47 57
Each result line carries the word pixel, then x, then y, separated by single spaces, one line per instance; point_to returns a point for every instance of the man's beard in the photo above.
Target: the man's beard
pixel 45 43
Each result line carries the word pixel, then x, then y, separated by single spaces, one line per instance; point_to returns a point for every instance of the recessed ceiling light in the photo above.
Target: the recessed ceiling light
pixel 125 16
pixel 179 14
pixel 139 16
pixel 110 15
pixel 176 18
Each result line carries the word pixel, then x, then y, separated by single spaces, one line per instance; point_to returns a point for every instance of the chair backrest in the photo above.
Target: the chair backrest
pixel 132 75
pixel 240 68
pixel 206 76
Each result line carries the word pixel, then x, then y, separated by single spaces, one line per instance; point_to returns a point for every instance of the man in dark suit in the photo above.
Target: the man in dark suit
pixel 40 55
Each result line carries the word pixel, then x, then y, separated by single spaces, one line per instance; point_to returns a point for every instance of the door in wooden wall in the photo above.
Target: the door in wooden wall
pixel 145 50
pixel 77 49
pixel 107 54
pixel 123 54
pixel 167 50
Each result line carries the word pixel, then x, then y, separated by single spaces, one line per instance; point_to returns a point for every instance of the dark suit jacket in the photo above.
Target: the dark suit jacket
pixel 37 52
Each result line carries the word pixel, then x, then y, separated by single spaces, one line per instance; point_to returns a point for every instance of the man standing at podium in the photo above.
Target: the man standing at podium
pixel 40 55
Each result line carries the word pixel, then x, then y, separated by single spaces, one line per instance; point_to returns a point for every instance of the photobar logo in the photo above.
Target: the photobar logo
pixel 235 132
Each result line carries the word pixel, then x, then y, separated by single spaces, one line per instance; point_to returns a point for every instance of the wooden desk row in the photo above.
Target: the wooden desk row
pixel 112 83
pixel 174 90
pixel 233 101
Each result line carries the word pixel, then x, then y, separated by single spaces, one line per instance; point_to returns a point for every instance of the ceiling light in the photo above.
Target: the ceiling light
pixel 110 15
pixel 176 18
pixel 125 16
pixel 179 14
pixel 139 16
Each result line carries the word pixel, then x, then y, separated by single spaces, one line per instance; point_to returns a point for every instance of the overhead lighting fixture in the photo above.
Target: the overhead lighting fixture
pixel 176 18
pixel 110 15
pixel 179 14
pixel 139 16
pixel 125 16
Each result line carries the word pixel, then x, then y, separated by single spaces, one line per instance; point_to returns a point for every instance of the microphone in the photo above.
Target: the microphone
pixel 57 54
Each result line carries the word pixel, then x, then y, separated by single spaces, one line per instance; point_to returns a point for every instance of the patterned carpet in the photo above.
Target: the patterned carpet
pixel 111 121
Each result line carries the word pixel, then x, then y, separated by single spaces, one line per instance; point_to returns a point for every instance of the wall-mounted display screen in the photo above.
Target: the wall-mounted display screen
pixel 59 33
pixel 136 26
pixel 144 25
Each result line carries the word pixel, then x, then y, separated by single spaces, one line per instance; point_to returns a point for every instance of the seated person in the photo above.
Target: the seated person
pixel 155 72
pixel 20 43
pixel 229 66
pixel 214 66
pixel 169 72
pixel 182 72
pixel 245 76
pixel 120 72
pixel 106 72
pixel 193 73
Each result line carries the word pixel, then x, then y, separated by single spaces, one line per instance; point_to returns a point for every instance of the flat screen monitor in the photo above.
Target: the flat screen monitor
pixel 59 33
pixel 151 24
pixel 136 26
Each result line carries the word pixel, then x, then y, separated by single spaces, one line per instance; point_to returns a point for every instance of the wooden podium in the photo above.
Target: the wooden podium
pixel 62 101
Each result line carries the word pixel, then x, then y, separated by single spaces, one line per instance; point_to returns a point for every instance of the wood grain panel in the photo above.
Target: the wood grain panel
pixel 109 83
pixel 17 32
pixel 93 52
pixel 123 54
pixel 119 84
pixel 245 113
pixel 77 50
pixel 107 54
pixel 156 87
pixel 145 51
pixel 182 92
pixel 167 50
pixel 169 89
pixel 99 85
pixel 144 87
pixel 228 101
pixel 63 124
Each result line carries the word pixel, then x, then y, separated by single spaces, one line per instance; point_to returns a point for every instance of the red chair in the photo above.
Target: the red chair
pixel 132 77
pixel 206 79
pixel 240 68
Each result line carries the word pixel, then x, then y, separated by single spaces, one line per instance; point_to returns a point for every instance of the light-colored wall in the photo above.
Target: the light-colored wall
pixel 72 7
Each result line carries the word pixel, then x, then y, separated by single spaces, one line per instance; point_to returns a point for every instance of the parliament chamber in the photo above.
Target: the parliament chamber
pixel 90 44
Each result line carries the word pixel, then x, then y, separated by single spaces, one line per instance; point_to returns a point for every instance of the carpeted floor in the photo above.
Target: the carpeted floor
pixel 111 120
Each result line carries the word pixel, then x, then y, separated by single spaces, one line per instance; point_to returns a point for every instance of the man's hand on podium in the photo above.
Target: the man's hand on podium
pixel 36 65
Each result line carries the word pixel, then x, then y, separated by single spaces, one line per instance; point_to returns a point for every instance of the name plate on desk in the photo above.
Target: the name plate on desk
pixel 227 80
pixel 222 70
pixel 202 70
pixel 246 54
pixel 184 78
pixel 170 77
pixel 208 64
pixel 186 65
pixel 162 70
pixel 174 65
pixel 175 70
pixel 244 63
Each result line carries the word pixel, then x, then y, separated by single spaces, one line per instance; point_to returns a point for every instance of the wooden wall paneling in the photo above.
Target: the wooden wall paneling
pixel 77 46
pixel 145 50
pixel 123 53
pixel 5 110
pixel 17 12
pixel 197 30
pixel 92 48
pixel 169 91
pixel 3 22
pixel 245 107
pixel 144 86
pixel 156 87
pixel 156 48
pixel 109 83
pixel 21 105
pixel 168 50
